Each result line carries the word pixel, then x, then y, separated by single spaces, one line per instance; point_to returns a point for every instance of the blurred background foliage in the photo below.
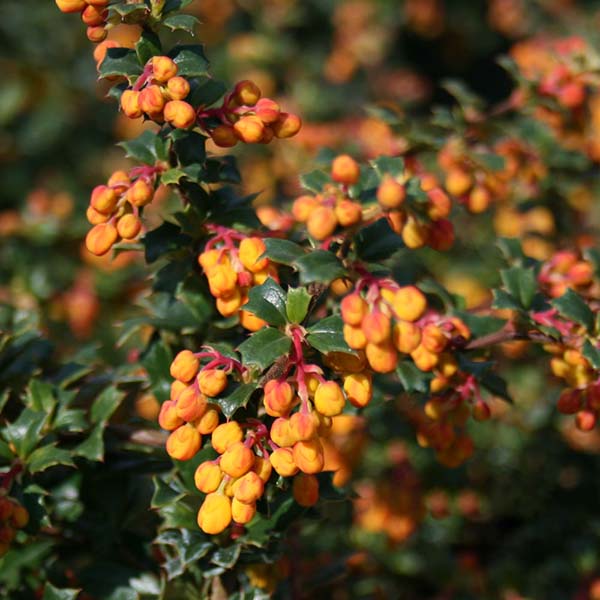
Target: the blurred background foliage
pixel 520 520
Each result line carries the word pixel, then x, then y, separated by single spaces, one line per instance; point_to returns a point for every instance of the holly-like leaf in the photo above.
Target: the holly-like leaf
pixel 412 378
pixel 377 241
pixel 327 336
pixel 392 165
pixel 283 251
pixel 26 432
pixel 315 180
pixel 48 456
pixel 190 60
pixel 189 147
pixel 164 239
pixel 520 283
pixel 264 347
pixel 93 447
pixel 147 148
pixel 572 306
pixel 40 396
pixel 592 353
pixel 105 404
pixel 227 557
pixel 181 22
pixel 53 593
pixel 296 307
pixel 268 302
pixel 237 399
pixel 121 62
pixel 319 265
pixel 148 46
pixel 164 493
pixel 503 299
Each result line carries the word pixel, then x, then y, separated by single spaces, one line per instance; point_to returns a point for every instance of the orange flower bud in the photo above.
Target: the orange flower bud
pixel 71 6
pixel 246 92
pixel 433 338
pixel 458 181
pixel 207 477
pixel 101 238
pixel 242 513
pixel 382 357
pixel 183 443
pixel 20 517
pixel 178 88
pixel 262 467
pixel 214 515
pixel 96 34
pixel 308 455
pixel 321 223
pixel 282 460
pixel 95 217
pixel 130 104
pixel 329 399
pixel 208 422
pixel 281 433
pixel 377 327
pixel 251 249
pixel 167 417
pixel 104 199
pixel 267 110
pixel 251 322
pixel 212 382
pixel 98 2
pixel 163 68
pixel 424 359
pixel 237 460
pixel 101 49
pixel 119 181
pixel 261 276
pixel 303 207
pixel 345 169
pixel 409 303
pixel 249 488
pixel 191 404
pixel 354 309
pixel 224 136
pixel 414 234
pixel 140 193
pixel 94 16
pixel 222 280
pixel 128 226
pixel 479 199
pixel 179 114
pixel 185 366
pixel 586 419
pixel 287 125
pixel 397 220
pixel 225 435
pixel 249 129
pixel 348 213
pixel 210 258
pixel 303 426
pixel 406 336
pixel 305 489
pixel 151 100
pixel 447 364
pixel 279 397
pixel 229 305
pixel 355 337
pixel 390 193
pixel 359 389
pixel 440 204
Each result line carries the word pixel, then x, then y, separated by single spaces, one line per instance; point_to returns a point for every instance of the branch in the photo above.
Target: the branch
pixel 144 437
pixel 508 335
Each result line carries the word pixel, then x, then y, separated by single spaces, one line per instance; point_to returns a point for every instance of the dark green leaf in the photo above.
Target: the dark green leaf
pixel 237 399
pixel 93 447
pixel 48 456
pixel 520 283
pixel 327 336
pixel 377 241
pixel 283 251
pixel 264 347
pixel 412 378
pixel 315 180
pixel 148 46
pixel 392 165
pixel 181 22
pixel 190 60
pixel 503 299
pixel 40 396
pixel 592 353
pixel 227 557
pixel 572 306
pixel 164 239
pixel 121 62
pixel 52 593
pixel 26 432
pixel 106 404
pixel 296 307
pixel 147 148
pixel 164 493
pixel 319 265
pixel 267 301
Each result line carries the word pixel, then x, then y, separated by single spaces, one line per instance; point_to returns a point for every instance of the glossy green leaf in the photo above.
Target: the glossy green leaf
pixel 319 265
pixel 190 60
pixel 268 302
pixel 264 347
pixel 48 456
pixel 121 62
pixel 572 306
pixel 283 251
pixel 327 336
pixel 521 284
pixel 237 399
pixel 296 306
pixel 181 22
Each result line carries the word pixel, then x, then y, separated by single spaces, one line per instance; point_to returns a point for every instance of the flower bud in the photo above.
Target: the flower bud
pixel 237 460
pixel 95 217
pixel 101 49
pixel 303 207
pixel 101 238
pixel 71 6
pixel 249 129
pixel 212 382
pixel 414 233
pixel 308 455
pixel 329 399
pixel 128 226
pixel 224 136
pixel 94 16
pixel 382 357
pixel 96 34
pixel 359 389
pixel 251 322
pixel 440 204
pixel 207 477
pixel 183 443
pixel 409 303
pixel 229 305
pixel 262 467
pixel 458 181
pixel 279 397
pixel 104 199
pixel 208 422
pixel 119 181
pixel 287 125
pixel 377 327
pixel 433 338
pixel 321 223
pixel 140 193
pixel 151 100
pixel 246 93
pixel 267 110
pixel 184 366
pixel 191 404
pixel 249 488
pixel 303 426
pixel 130 104
pixel 214 515
pixel 345 169
pixel 225 435
pixel 348 213
pixel 390 193
pixel 355 337
pixel 282 460
pixel 281 433
pixel 178 88
pixel 179 114
pixel 242 513
pixel 251 249
pixel 406 336
pixel 305 489
pixel 424 359
pixel 167 417
pixel 354 309
pixel 222 280
pixel 163 68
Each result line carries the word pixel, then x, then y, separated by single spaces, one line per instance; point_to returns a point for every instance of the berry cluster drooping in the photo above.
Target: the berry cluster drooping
pixel 94 14
pixel 246 116
pixel 114 208
pixel 233 263
pixel 565 270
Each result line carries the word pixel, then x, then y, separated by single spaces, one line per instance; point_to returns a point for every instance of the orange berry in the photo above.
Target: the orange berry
pixel 479 199
pixel 179 114
pixel 237 460
pixel 184 366
pixel 390 193
pixel 279 397
pixel 433 338
pixel 71 6
pixel 303 207
pixel 208 477
pixel 167 417
pixel 190 404
pixel 163 68
pixel 178 88
pixel 409 303
pixel 140 193
pixel 329 399
pixel 101 238
pixel 104 199
pixel 282 460
pixel 249 129
pixel 406 336
pixel 348 213
pixel 151 100
pixel 214 515
pixel 287 125
pixel 382 357
pixel 212 382
pixel 208 422
pixel 458 181
pixel 224 136
pixel 128 226
pixel 354 336
pixel 184 442
pixel 377 327
pixel 222 280
pixel 95 217
pixel 321 223
pixel 308 456
pixel 345 169
pixel 354 308
pixel 225 435
pixel 242 513
pixel 249 488
pixel 414 234
pixel 305 489
pixel 267 110
pixel 251 249
pixel 359 388
pixel 246 92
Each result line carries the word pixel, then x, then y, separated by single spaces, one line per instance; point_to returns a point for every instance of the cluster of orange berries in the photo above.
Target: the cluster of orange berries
pixel 562 84
pixel 390 319
pixel 324 212
pixel 94 14
pixel 425 223
pixel 566 269
pixel 246 116
pixel 13 516
pixel 159 94
pixel 233 263
pixel 114 208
